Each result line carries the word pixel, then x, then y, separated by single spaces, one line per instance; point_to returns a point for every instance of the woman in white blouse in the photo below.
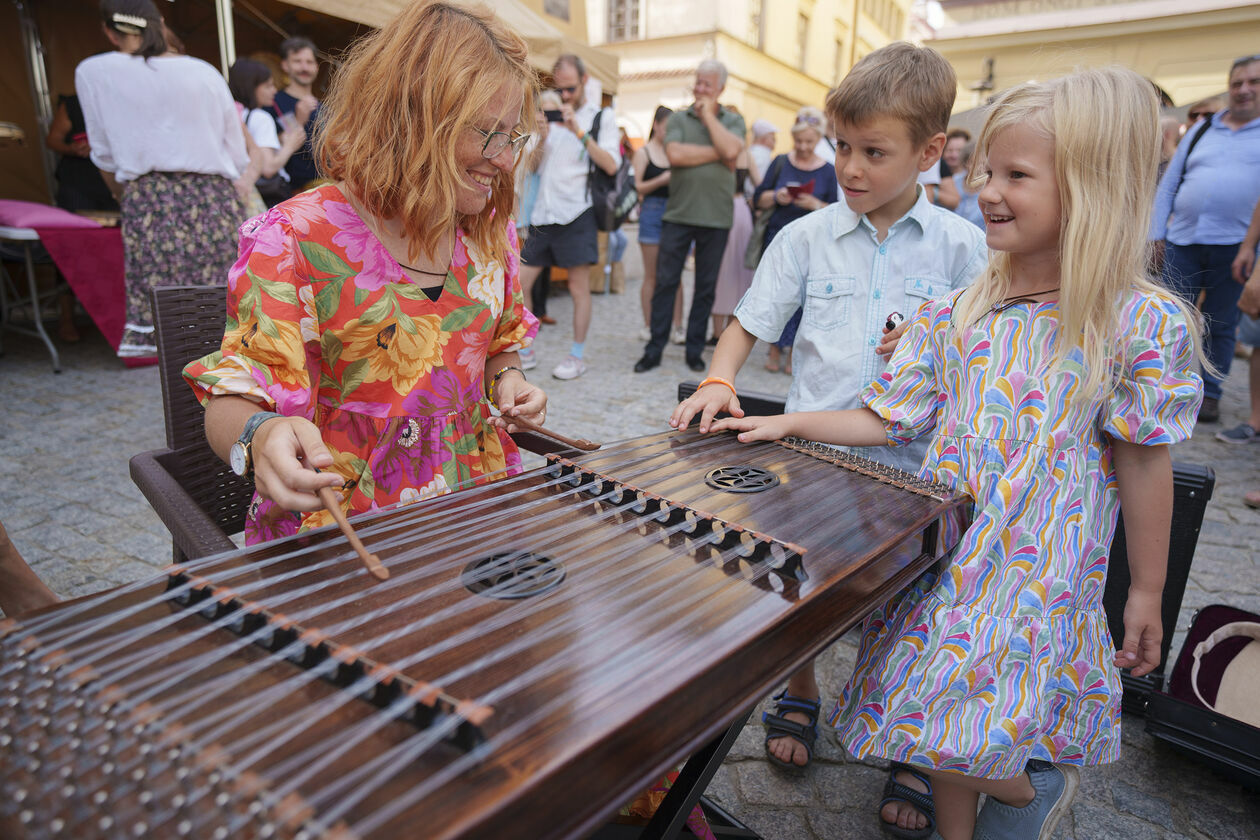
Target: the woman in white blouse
pixel 254 88
pixel 165 134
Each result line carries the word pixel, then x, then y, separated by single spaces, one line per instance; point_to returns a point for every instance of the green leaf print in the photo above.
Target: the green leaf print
pixel 326 381
pixel 325 261
pixel 465 445
pixel 274 288
pixel 406 322
pixel 377 311
pixel 367 483
pixel 327 299
pixel 449 473
pixel 353 376
pixel 462 317
pixel 266 324
pixel 360 295
pixel 332 348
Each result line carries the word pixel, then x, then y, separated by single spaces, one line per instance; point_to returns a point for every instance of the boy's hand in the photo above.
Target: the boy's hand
pixel 755 428
pixel 707 402
pixel 1143 632
pixel 888 342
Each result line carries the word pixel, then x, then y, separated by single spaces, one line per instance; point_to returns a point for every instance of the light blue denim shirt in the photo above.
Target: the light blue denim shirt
pixel 830 263
pixel 1214 203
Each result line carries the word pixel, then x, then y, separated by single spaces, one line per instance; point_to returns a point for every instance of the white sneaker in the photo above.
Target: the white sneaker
pixel 529 359
pixel 645 333
pixel 571 368
pixel 679 336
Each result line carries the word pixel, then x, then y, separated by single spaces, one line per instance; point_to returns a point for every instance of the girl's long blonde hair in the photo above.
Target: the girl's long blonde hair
pixel 1104 125
pixel 397 108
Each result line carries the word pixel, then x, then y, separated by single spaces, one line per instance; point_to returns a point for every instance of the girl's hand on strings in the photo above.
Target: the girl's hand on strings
pixel 708 402
pixel 518 398
pixel 287 453
pixel 755 428
pixel 1143 632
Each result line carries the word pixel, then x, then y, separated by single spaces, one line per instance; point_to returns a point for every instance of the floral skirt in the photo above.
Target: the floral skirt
pixel 179 229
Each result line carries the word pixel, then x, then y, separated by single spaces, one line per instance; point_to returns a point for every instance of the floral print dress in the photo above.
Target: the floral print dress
pixel 322 323
pixel 1006 655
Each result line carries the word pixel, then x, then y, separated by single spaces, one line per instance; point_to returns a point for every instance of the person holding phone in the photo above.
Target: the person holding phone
pixel 795 185
pixel 79 183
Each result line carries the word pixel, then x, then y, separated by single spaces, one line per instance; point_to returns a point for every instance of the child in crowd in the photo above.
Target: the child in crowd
pixel 1051 390
pixel 851 264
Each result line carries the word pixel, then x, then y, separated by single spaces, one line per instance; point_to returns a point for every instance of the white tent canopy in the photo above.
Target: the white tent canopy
pixel 546 42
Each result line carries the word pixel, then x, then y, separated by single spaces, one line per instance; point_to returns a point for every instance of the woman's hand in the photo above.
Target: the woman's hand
pixel 518 398
pixel 1143 632
pixel 782 196
pixel 286 452
pixel 809 202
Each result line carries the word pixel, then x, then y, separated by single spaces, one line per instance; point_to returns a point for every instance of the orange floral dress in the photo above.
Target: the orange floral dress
pixel 322 323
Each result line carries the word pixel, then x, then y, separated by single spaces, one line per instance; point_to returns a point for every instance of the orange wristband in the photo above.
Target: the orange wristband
pixel 717 380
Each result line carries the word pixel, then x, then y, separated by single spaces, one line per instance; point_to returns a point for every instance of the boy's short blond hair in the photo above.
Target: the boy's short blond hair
pixel 915 85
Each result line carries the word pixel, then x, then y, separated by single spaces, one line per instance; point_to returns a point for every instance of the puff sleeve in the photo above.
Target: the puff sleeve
pixel 907 395
pixel 1158 387
pixel 271 344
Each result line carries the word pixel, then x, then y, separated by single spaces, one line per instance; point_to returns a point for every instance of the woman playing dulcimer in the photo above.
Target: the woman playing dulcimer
pixel 373 323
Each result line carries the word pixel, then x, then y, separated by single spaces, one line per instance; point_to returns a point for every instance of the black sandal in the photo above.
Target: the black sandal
pixel 778 726
pixel 895 791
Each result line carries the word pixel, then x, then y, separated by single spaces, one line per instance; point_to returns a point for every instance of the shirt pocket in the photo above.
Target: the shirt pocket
pixel 828 299
pixel 921 288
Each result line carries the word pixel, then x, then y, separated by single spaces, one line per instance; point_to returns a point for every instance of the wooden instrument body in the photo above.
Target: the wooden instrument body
pixel 652 642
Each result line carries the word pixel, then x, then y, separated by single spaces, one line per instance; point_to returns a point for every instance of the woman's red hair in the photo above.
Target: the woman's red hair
pixel 397 107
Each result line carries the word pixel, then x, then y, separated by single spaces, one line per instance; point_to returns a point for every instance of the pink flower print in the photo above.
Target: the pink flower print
pixel 377 268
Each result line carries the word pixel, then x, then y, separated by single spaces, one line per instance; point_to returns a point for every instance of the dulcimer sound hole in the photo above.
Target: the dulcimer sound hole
pixel 512 575
pixel 741 479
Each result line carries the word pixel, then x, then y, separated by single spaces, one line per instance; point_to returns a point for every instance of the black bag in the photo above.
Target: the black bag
pixel 274 189
pixel 613 196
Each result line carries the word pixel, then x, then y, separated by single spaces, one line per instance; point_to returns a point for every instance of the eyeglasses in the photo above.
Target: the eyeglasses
pixel 808 119
pixel 1195 116
pixel 572 89
pixel 497 141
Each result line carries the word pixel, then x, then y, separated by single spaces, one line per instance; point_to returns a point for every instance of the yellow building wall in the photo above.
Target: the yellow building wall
pixel 767 83
pixel 1188 55
pixel 573 20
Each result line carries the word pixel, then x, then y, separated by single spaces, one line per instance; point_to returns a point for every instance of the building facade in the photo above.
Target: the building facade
pixel 780 55
pixel 1184 47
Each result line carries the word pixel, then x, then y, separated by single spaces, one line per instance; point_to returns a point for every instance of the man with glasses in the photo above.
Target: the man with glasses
pixel 1209 193
pixel 562 231
pixel 702 143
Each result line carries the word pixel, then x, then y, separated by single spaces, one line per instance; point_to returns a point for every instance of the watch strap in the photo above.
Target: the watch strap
pixel 245 441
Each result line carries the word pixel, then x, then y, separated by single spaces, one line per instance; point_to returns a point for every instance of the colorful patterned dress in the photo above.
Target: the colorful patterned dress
pixel 322 323
pixel 1006 656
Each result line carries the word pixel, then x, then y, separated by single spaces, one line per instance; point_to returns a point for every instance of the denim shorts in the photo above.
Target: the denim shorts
pixel 1248 330
pixel 650 213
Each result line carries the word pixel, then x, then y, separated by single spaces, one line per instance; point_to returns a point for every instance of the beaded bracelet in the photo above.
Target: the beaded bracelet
pixel 494 380
pixel 717 380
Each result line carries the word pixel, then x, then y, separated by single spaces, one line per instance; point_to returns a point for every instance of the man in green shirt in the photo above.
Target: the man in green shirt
pixel 702 143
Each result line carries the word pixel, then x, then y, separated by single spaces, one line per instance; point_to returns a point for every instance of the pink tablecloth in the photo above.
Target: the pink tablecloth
pixel 91 260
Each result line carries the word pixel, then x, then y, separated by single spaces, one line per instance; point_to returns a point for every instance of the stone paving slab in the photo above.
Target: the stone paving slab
pixel 71 509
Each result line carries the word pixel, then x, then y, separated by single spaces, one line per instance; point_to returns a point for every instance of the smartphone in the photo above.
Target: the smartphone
pixel 795 190
pixel 553 116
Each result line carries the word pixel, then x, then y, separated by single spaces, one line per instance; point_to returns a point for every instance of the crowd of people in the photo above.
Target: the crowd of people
pixel 984 313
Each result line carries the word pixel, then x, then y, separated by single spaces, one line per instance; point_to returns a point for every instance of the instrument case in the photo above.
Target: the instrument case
pixel 1176 716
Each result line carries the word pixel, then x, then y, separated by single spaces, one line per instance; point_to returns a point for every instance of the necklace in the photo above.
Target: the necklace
pixel 422 271
pixel 1007 303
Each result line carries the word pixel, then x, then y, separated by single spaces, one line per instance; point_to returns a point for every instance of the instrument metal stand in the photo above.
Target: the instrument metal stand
pixel 688 790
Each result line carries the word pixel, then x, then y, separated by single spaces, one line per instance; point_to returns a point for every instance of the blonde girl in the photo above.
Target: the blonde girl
pixel 1052 388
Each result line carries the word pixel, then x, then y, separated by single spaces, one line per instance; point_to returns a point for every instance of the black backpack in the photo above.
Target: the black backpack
pixel 612 196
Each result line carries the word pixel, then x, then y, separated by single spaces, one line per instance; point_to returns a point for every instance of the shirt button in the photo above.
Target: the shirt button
pixel 877 294
pixel 829 287
pixel 883 249
pixel 870 341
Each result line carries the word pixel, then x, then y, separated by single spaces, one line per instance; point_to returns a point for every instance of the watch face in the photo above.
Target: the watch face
pixel 237 459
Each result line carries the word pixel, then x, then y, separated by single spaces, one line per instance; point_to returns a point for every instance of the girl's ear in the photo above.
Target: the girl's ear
pixel 931 151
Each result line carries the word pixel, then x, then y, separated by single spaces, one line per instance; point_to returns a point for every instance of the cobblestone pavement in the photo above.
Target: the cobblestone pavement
pixel 71 509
